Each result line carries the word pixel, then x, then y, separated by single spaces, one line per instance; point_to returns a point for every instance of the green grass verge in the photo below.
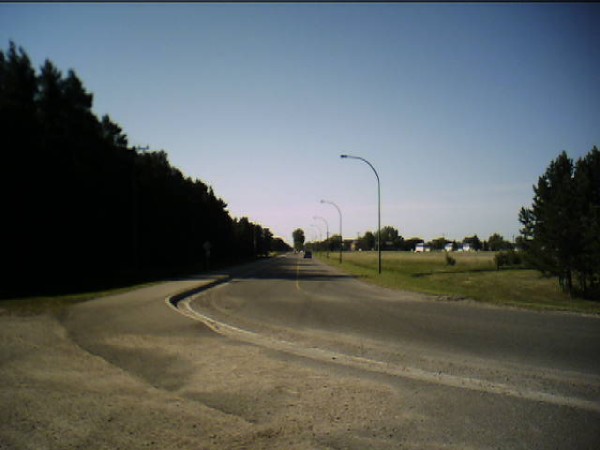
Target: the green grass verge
pixel 474 276
pixel 55 304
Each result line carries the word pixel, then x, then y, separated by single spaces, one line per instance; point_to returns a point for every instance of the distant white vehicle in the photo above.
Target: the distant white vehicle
pixel 449 247
pixel 422 248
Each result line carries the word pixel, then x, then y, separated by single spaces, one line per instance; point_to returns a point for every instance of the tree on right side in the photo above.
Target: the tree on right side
pixel 561 229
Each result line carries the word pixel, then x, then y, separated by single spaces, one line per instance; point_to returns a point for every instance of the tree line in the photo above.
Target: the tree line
pixel 82 208
pixel 391 240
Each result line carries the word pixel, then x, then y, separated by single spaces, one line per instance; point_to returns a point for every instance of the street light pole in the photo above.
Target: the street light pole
pixel 327 229
pixel 378 206
pixel 341 236
pixel 314 225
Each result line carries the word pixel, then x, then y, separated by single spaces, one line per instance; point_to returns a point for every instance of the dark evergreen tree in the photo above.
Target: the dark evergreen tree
pixel 587 195
pixel 438 243
pixel 411 244
pixel 298 236
pixel 390 238
pixel 496 243
pixel 20 136
pixel 81 208
pixel 560 233
pixel 474 242
pixel 367 242
pixel 279 245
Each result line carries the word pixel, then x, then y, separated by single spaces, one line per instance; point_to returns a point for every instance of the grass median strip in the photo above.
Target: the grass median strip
pixel 474 276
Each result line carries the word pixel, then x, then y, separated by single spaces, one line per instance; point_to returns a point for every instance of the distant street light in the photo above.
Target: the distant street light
pixel 327 228
pixel 340 213
pixel 314 225
pixel 378 205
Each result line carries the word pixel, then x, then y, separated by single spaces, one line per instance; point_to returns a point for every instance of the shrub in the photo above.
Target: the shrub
pixel 450 261
pixel 509 258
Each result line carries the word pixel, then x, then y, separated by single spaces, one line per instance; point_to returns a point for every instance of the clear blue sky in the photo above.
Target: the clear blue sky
pixel 460 107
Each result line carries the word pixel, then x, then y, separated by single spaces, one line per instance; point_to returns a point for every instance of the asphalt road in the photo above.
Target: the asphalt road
pixel 536 364
pixel 290 353
pixel 294 294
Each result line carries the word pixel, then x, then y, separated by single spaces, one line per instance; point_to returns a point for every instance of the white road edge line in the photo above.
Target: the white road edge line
pixel 183 307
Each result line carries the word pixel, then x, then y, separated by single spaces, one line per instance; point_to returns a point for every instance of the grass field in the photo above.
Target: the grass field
pixel 473 276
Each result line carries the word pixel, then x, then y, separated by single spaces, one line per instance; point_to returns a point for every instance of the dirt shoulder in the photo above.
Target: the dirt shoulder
pixel 148 377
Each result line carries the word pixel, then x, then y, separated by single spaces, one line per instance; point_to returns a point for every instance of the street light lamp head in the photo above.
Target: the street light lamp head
pixel 323 201
pixel 343 156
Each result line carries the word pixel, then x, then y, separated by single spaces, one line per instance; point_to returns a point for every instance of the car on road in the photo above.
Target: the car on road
pixel 308 254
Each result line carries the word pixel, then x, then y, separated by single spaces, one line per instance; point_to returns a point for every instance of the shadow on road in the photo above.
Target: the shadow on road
pixel 284 268
pixel 291 268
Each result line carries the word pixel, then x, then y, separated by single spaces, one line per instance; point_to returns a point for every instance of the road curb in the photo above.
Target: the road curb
pixel 174 300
